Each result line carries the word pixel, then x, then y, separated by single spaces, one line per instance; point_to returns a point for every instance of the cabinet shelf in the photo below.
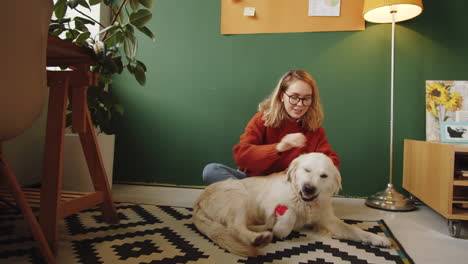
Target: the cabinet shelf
pixel 460 212
pixel 460 199
pixel 460 182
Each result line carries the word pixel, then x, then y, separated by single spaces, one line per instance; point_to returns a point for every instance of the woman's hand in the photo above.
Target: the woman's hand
pixel 290 141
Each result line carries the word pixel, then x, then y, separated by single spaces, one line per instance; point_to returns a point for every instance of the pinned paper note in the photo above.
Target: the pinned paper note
pixel 249 11
pixel 324 7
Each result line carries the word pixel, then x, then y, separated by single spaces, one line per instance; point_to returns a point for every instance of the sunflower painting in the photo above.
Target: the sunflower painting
pixel 444 103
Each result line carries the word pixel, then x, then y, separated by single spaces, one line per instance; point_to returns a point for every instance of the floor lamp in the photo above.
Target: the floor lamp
pixel 391 11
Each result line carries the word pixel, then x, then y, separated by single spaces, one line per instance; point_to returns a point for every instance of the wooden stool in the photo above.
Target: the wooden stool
pixel 64 86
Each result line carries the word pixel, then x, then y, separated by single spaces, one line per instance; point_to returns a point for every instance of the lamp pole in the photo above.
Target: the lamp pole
pixel 390 199
pixel 392 85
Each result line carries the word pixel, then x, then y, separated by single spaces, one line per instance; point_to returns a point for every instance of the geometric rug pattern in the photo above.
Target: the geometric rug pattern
pixel 152 234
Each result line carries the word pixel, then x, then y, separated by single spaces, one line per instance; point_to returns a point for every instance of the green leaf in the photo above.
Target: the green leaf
pixel 129 47
pixel 141 64
pixel 94 2
pixel 109 28
pixel 56 28
pixel 140 17
pixel 84 20
pixel 75 32
pixel 55 32
pixel 140 75
pixel 109 66
pixel 60 8
pixel 56 25
pixel 84 3
pixel 130 44
pixel 80 26
pixel 129 31
pixel 82 38
pixel 130 68
pixel 106 99
pixel 118 38
pixel 72 3
pixel 72 34
pixel 147 3
pixel 105 79
pixel 147 32
pixel 92 95
pixel 63 20
pixel 119 64
pixel 134 4
pixel 102 119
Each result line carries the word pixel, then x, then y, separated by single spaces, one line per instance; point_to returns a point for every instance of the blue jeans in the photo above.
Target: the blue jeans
pixel 215 172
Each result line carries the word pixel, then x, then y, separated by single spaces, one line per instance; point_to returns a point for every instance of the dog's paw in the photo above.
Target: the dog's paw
pixel 262 239
pixel 379 241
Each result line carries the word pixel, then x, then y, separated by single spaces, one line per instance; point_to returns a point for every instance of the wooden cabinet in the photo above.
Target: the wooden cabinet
pixel 432 173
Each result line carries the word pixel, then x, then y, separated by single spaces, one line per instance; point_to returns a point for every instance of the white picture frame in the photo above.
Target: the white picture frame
pixel 454 132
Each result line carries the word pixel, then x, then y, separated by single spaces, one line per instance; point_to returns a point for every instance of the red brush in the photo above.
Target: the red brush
pixel 280 209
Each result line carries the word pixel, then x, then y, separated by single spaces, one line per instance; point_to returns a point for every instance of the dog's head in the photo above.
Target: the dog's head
pixel 314 176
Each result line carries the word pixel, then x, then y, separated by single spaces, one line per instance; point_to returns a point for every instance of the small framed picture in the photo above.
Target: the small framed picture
pixel 456 132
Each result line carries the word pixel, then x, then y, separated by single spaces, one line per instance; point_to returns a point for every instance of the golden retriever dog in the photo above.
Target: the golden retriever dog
pixel 244 215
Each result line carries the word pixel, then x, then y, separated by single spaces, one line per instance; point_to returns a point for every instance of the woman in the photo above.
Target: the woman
pixel 287 124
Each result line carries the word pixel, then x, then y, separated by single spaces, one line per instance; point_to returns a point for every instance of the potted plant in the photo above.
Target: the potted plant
pixel 115 50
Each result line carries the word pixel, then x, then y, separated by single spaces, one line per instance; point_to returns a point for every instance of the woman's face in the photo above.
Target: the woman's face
pixel 297 99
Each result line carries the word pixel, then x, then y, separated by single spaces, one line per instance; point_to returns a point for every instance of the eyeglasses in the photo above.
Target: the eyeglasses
pixel 294 100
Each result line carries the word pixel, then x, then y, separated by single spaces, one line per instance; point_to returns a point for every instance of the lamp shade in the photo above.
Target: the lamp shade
pixel 379 11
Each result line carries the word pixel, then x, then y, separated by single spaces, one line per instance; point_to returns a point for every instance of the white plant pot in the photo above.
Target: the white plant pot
pixel 75 170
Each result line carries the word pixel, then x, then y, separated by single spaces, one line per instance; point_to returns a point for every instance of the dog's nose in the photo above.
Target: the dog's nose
pixel 309 189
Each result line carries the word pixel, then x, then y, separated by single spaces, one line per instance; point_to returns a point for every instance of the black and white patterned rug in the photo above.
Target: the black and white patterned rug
pixel 151 234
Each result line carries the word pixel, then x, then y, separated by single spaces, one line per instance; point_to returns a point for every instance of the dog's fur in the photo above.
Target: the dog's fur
pixel 239 215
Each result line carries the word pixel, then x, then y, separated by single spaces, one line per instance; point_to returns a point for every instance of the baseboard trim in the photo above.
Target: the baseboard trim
pixel 160 184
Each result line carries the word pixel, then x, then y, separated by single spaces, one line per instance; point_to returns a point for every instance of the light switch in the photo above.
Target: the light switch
pixel 249 11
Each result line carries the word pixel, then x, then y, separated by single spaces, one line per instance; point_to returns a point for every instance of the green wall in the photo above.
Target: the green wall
pixel 203 87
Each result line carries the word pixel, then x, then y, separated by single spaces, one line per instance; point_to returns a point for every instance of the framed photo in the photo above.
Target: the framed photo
pixel 446 101
pixel 456 132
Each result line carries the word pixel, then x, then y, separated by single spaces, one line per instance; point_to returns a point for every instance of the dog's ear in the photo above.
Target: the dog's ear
pixel 337 181
pixel 292 169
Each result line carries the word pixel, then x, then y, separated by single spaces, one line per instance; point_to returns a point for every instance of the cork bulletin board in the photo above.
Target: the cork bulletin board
pixel 283 16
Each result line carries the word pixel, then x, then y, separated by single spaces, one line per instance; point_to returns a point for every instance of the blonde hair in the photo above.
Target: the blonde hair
pixel 274 113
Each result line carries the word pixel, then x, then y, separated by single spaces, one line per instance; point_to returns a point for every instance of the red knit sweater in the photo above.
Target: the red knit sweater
pixel 256 153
